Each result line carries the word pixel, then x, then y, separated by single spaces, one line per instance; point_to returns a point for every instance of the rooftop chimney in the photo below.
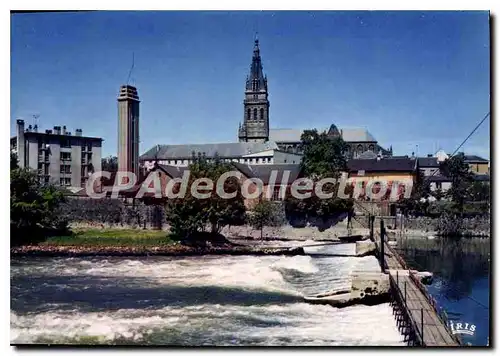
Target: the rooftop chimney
pixel 78 132
pixel 35 128
pixel 47 131
pixel 57 130
pixel 429 155
pixel 64 130
pixel 20 143
pixel 29 128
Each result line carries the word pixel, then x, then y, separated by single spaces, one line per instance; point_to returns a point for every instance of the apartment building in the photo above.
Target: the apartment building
pixel 59 157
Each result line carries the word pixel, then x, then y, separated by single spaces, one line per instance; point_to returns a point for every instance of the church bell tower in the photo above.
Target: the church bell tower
pixel 255 127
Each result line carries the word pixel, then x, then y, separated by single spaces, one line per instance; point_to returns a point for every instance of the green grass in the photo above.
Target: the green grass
pixel 111 237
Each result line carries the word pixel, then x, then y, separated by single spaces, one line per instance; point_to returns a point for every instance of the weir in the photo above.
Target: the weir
pixel 415 310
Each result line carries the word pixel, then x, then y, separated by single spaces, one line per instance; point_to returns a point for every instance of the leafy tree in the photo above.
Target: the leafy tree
pixel 438 194
pixel 461 178
pixel 14 162
pixel 479 191
pixel 109 164
pixel 264 213
pixel 32 208
pixel 323 157
pixel 190 215
pixel 413 204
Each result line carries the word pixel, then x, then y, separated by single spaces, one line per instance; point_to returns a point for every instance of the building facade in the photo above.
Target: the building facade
pixel 253 153
pixel 58 157
pixel 359 141
pixel 128 129
pixel 255 127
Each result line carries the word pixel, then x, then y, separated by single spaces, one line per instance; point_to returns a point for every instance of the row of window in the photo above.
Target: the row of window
pixel 255 117
pixel 66 143
pixel 255 160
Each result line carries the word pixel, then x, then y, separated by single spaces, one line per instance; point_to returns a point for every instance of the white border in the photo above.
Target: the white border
pixel 193 5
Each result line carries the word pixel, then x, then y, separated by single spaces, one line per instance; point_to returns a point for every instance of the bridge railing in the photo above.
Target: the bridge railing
pixel 401 298
pixel 440 313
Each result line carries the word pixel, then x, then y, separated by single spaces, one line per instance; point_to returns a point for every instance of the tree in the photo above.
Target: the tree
pixel 32 208
pixel 190 215
pixel 479 191
pixel 461 178
pixel 14 162
pixel 420 190
pixel 324 157
pixel 109 164
pixel 438 194
pixel 263 214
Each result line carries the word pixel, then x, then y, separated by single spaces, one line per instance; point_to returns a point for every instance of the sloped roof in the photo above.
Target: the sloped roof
pixel 474 159
pixel 293 135
pixel 173 171
pixel 383 165
pixel 263 172
pixel 224 150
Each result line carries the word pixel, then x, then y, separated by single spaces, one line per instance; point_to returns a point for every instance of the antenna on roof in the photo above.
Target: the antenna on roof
pixel 131 68
pixel 35 119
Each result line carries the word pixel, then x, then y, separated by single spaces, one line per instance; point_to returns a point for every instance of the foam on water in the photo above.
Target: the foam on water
pixel 222 300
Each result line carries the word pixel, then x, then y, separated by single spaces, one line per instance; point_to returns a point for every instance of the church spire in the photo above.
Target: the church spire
pixel 256 80
pixel 255 127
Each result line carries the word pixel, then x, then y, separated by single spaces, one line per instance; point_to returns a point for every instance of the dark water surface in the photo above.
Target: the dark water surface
pixel 461 279
pixel 192 301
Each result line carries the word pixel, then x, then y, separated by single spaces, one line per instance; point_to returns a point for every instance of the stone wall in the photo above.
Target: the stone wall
pixel 112 213
pixel 115 213
pixel 481 225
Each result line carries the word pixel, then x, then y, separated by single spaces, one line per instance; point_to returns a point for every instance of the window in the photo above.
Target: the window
pixel 65 169
pixel 248 114
pixel 360 149
pixel 262 114
pixel 255 114
pixel 65 156
pixel 285 161
pixel 371 148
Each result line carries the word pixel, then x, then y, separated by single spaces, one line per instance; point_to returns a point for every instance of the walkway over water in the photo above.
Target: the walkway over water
pixel 414 307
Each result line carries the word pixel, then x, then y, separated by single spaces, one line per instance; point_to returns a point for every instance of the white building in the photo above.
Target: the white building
pixel 253 153
pixel 57 156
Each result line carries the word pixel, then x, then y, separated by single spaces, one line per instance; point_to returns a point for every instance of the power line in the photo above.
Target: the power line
pixel 463 142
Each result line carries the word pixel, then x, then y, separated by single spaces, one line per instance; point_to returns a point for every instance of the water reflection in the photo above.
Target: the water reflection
pixel 461 278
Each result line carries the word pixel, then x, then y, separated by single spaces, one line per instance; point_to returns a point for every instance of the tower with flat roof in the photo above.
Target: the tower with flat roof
pixel 128 129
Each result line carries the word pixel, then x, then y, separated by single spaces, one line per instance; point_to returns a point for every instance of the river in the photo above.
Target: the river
pixel 211 300
pixel 461 285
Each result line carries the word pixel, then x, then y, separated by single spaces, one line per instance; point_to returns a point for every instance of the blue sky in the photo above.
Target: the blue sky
pixel 410 78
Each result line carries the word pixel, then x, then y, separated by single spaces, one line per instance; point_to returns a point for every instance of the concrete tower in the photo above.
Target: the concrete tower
pixel 128 129
pixel 255 126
